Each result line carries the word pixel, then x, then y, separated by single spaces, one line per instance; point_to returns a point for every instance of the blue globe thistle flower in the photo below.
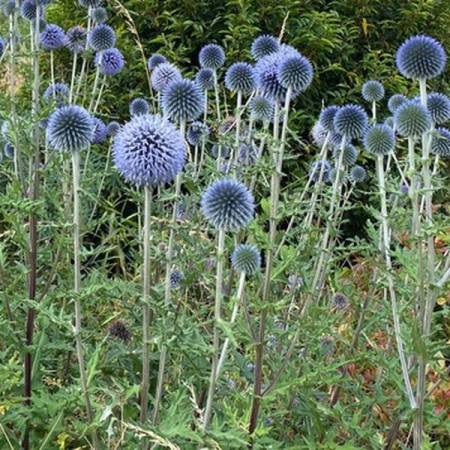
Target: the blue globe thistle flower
pixel 182 100
pixel 2 46
pixel 412 119
pixel 100 131
pixel 240 77
pixel 247 154
pixel 149 151
pixel 340 301
pixel 326 117
pixel 113 128
pixel 295 72
pixel 321 165
pixel 205 79
pixel 246 258
pixel 404 188
pixel 5 130
pixel 176 278
pixel 358 174
pixel 70 128
pixel 9 7
pixel 372 91
pixel 110 61
pixel 163 75
pixel 155 60
pixel 28 9
pixel 90 3
pixel 8 150
pixel 439 107
pixel 211 56
pixel 379 140
pixel 264 45
pixel 58 92
pixel 227 204
pixel 335 139
pixel 99 15
pixel 223 150
pixel 421 57
pixel 53 37
pixel 261 109
pixel 351 121
pixel 119 329
pixel 395 101
pixel 76 39
pixel 139 106
pixel 101 37
pixel 440 143
pixel 318 134
pixel 389 122
pixel 350 154
pixel 196 132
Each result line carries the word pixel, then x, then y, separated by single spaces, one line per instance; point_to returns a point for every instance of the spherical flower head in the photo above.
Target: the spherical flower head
pixel 440 143
pixel 90 3
pixel 350 154
pixel 76 39
pixel 182 100
pixel 8 150
pixel 110 61
pixel 2 46
pixel 100 131
pixel 211 56
pixel 296 73
pixel 28 9
pixel 113 128
pixel 403 188
pixel 119 329
pixel 149 151
pixel 58 92
pixel 264 45
pixel 176 278
pixel 351 121
pixel 421 57
pixel 139 107
pixel 247 154
pixel 358 174
pixel 412 119
pixel 155 60
pixel 318 134
pixel 379 140
pixel 246 258
pixel 101 37
pixel 439 107
pixel 9 7
pixel 317 167
pixel 70 128
pixel 326 117
pixel 339 301
pixel 227 204
pixel 335 139
pixel 240 77
pixel 261 109
pixel 53 37
pixel 196 132
pixel 163 75
pixel 99 15
pixel 221 150
pixel 372 91
pixel 395 101
pixel 205 79
pixel 389 122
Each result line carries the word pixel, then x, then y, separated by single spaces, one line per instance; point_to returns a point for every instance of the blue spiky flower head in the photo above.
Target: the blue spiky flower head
pixel 58 92
pixel 221 150
pixel 295 72
pixel 70 128
pixel 247 154
pixel 240 77
pixel 227 204
pixel 110 61
pixel 28 9
pixel 351 121
pixel 335 139
pixel 176 278
pixel 139 106
pixel 182 100
pixel 101 37
pixel 389 122
pixel 163 75
pixel 318 134
pixel 112 128
pixel 90 3
pixel 412 119
pixel 100 131
pixel 372 91
pixel 149 151
pixel 76 39
pixel 99 15
pixel 439 107
pixel 349 156
pixel 395 101
pixel 440 143
pixel 261 109
pixel 155 60
pixel 326 117
pixel 2 46
pixel 379 139
pixel 358 174
pixel 9 7
pixel 205 79
pixel 196 132
pixel 211 56
pixel 8 150
pixel 421 57
pixel 321 166
pixel 52 37
pixel 264 45
pixel 246 258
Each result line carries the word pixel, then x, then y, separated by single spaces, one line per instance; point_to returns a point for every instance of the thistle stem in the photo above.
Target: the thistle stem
pixel 72 78
pixel 216 94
